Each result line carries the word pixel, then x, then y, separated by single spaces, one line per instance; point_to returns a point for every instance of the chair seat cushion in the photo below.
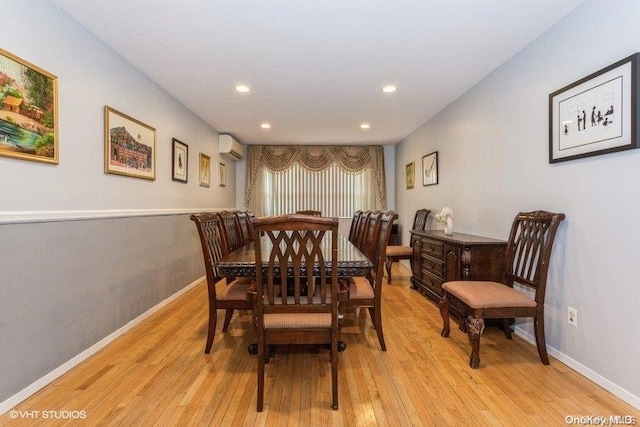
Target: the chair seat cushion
pixel 479 294
pixel 236 290
pixel 402 251
pixel 360 288
pixel 297 320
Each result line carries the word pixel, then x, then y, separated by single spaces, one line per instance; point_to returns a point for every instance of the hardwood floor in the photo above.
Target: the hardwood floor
pixel 157 374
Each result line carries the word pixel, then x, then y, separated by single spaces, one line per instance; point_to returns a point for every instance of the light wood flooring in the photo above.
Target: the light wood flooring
pixel 158 374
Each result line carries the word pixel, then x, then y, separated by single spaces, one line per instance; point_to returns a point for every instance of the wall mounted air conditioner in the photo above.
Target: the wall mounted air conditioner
pixel 230 148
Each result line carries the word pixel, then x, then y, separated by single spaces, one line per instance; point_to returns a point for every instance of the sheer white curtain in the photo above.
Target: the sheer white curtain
pixel 334 180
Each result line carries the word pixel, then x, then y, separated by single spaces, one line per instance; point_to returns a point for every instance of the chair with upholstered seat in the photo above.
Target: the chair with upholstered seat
pixel 526 263
pixel 297 298
pixel 397 253
pixel 367 291
pixel 226 294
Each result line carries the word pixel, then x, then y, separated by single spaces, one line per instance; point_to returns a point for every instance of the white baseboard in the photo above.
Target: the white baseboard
pixel 61 370
pixel 584 371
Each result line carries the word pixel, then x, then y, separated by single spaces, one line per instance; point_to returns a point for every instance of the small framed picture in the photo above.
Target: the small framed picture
pixel 205 170
pixel 129 146
pixel 430 169
pixel 180 167
pixel 222 175
pixel 410 172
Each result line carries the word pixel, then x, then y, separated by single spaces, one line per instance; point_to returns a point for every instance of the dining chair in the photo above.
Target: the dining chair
pixel 526 263
pixel 232 228
pixel 310 212
pixel 366 291
pixel 363 222
pixel 226 294
pixel 244 219
pixel 354 225
pixel 306 311
pixel 370 234
pixel 397 253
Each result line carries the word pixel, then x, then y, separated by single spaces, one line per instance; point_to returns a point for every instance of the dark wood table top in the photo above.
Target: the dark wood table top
pixel 242 262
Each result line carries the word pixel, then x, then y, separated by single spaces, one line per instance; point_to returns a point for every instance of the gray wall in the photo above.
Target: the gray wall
pixel 65 284
pixel 493 163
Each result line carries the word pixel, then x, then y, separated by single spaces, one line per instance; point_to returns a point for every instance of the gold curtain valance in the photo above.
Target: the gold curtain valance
pixel 316 157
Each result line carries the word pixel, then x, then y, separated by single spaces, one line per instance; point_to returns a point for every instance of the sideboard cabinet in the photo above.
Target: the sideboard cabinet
pixel 439 258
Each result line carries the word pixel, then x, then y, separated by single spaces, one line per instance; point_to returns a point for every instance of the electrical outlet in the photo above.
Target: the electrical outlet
pixel 572 316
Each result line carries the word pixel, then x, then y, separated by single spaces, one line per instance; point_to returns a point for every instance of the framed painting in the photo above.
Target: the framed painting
pixel 430 169
pixel 410 174
pixel 180 161
pixel 28 111
pixel 129 146
pixel 595 115
pixel 205 170
pixel 222 175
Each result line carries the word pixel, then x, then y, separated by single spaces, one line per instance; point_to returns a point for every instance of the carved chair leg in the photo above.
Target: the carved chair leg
pixel 444 312
pixel 475 327
pixel 227 319
pixel 388 262
pixel 213 320
pixel 538 327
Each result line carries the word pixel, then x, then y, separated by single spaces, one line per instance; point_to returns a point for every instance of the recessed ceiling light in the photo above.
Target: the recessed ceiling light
pixel 365 126
pixel 243 88
pixel 389 89
pixel 265 126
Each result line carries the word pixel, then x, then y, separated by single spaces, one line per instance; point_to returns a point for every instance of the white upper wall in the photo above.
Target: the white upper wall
pixel 493 162
pixel 90 76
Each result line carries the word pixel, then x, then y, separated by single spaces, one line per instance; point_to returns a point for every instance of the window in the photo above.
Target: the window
pixel 336 180
pixel 333 191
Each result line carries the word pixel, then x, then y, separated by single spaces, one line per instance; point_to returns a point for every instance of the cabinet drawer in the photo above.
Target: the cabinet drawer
pixel 432 282
pixel 433 265
pixel 433 248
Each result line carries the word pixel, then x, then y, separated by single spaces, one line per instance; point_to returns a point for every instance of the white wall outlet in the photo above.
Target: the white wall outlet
pixel 572 316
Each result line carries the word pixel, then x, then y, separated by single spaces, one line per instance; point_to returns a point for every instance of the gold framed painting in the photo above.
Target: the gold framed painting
pixel 28 110
pixel 129 146
pixel 205 170
pixel 410 172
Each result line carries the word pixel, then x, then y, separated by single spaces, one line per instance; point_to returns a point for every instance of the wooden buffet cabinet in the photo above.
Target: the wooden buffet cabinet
pixel 438 258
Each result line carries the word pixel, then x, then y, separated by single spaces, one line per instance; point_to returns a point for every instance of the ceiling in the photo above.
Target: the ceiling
pixel 316 68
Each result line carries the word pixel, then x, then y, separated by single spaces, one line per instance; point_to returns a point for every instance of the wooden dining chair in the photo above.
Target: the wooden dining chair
pixel 354 225
pixel 244 219
pixel 397 253
pixel 306 311
pixel 309 212
pixel 363 223
pixel 232 230
pixel 526 263
pixel 367 291
pixel 225 293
